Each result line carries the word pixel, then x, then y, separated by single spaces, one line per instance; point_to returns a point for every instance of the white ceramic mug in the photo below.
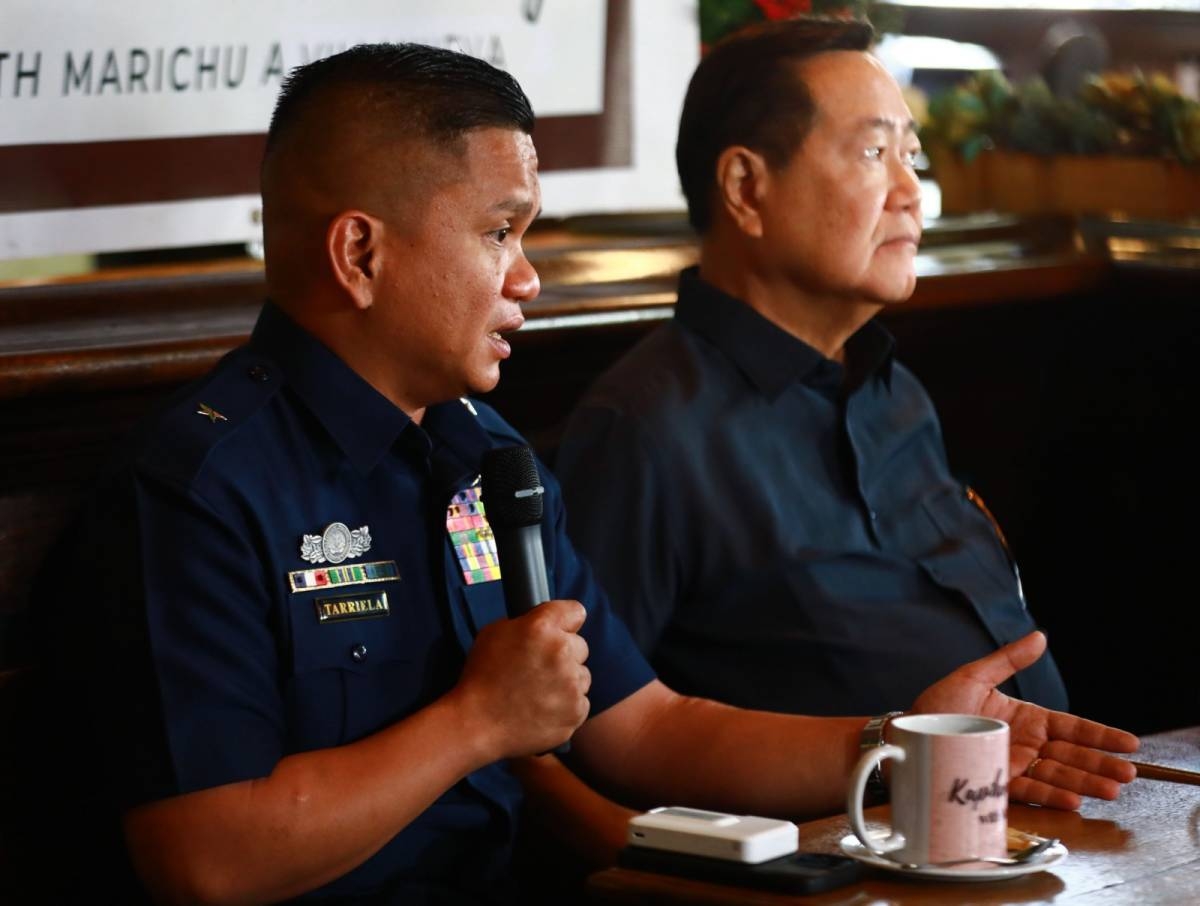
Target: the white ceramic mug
pixel 949 789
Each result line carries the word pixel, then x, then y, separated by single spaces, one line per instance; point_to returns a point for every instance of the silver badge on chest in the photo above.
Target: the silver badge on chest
pixel 335 544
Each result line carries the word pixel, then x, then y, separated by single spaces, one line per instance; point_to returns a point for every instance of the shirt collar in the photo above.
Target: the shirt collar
pixel 870 351
pixel 360 419
pixel 363 422
pixel 769 356
pixel 459 442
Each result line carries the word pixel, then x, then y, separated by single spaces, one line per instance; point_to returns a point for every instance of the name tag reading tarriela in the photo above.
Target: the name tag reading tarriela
pixel 351 607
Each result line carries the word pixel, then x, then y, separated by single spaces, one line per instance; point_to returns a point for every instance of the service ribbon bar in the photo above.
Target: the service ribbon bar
pixel 350 574
pixel 472 538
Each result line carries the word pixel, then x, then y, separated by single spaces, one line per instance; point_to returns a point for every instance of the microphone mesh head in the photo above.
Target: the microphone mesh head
pixel 505 472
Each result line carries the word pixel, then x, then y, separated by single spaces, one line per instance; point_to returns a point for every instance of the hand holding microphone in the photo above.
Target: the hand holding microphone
pixel 524 683
pixel 535 660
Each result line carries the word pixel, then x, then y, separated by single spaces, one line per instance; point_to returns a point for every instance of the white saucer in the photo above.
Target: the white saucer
pixel 1053 856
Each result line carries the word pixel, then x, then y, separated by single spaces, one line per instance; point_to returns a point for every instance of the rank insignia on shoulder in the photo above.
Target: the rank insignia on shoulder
pixel 335 544
pixel 472 537
pixel 210 413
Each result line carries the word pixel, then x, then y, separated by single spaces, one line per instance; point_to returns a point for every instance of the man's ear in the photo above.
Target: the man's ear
pixel 353 244
pixel 742 177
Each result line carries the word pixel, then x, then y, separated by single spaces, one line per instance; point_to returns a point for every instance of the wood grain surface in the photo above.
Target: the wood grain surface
pixel 1142 848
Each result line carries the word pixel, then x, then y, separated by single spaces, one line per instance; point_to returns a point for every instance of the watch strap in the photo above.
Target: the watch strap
pixel 872 738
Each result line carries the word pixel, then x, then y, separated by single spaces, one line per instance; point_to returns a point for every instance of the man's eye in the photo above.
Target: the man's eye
pixel 501 234
pixel 874 153
pixel 910 157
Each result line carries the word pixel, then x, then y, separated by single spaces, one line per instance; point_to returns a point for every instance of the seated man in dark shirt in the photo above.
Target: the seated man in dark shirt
pixel 761 487
pixel 295 673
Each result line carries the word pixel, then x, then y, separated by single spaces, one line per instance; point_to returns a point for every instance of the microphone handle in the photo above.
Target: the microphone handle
pixel 522 568
pixel 523 572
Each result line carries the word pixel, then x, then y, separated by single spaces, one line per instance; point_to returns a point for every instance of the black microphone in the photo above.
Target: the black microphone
pixel 512 500
pixel 512 494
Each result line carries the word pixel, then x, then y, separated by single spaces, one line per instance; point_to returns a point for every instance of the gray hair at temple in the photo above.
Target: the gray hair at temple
pixel 746 91
pixel 438 94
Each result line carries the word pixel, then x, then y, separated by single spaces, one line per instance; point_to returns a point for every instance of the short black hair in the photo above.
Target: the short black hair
pixel 439 94
pixel 746 92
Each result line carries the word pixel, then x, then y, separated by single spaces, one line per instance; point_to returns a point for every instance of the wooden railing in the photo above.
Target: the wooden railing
pixel 1025 341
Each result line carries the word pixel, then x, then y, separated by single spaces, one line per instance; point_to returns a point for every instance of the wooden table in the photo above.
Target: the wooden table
pixel 1144 848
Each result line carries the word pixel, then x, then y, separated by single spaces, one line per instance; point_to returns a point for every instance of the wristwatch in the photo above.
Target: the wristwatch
pixel 872 738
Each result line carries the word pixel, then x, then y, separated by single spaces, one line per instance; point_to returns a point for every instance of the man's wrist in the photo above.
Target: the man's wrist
pixel 872 737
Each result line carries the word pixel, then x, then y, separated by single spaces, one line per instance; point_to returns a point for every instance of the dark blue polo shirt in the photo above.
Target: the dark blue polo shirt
pixel 213 648
pixel 782 532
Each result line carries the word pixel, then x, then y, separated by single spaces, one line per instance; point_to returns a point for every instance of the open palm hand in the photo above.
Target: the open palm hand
pixel 1055 758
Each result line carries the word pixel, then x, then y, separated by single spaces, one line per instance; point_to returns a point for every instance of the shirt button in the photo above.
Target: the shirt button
pixel 259 374
pixel 874 516
pixel 358 653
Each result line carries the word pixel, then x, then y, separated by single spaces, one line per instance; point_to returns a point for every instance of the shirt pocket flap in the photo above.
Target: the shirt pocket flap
pixel 969 557
pixel 355 628
pixel 484 603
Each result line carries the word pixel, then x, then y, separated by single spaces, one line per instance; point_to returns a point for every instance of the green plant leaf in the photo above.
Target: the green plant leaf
pixel 1123 113
pixel 719 18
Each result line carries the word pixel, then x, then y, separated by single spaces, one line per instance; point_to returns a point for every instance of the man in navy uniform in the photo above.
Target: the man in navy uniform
pixel 286 636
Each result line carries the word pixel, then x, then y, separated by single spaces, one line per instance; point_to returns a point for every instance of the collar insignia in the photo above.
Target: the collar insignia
pixel 335 544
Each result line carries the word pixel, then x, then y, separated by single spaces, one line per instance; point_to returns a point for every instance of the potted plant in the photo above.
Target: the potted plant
pixel 1126 145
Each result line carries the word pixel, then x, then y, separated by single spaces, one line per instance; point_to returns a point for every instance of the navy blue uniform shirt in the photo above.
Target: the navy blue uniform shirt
pixel 208 648
pixel 782 532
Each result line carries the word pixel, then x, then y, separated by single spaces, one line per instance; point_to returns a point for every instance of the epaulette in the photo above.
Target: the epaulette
pixel 176 444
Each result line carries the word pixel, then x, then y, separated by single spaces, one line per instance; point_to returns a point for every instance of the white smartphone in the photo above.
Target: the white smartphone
pixel 736 838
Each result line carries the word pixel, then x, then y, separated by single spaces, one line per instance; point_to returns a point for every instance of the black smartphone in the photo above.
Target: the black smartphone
pixel 795 873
